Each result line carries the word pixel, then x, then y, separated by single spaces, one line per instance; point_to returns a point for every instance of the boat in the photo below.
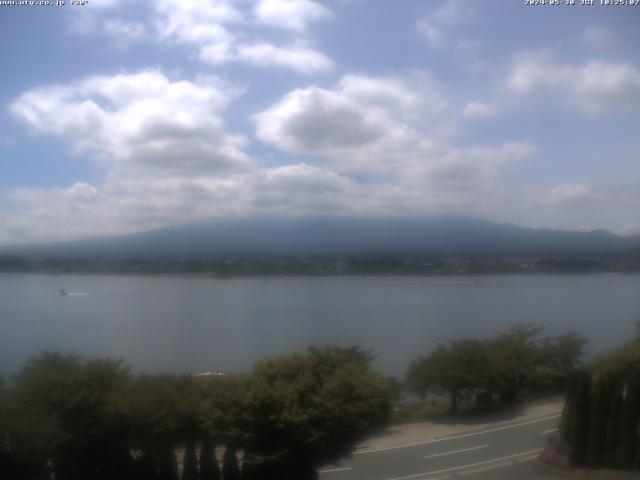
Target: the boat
pixel 62 291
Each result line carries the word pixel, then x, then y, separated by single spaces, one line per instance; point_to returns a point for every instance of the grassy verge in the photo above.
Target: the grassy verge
pixel 438 410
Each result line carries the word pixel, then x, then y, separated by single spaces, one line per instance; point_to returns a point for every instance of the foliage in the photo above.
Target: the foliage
pixel 308 409
pixel 63 412
pixel 603 406
pixel 93 420
pixel 504 365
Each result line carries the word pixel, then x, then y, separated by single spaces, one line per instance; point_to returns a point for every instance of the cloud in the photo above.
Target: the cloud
pixel 430 32
pixel 478 111
pixel 562 195
pixel 465 175
pixel 168 158
pixel 219 31
pixel 126 204
pixel 123 31
pixel 139 121
pixel 211 28
pixel 292 15
pixel 105 4
pixel 597 36
pixel 364 121
pixel 583 206
pixel 595 87
pixel 298 58
pixel 6 141
pixel 449 14
pixel 199 24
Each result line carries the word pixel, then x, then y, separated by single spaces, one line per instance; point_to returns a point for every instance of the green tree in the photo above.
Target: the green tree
pixel 578 434
pixel 303 410
pixel 559 357
pixel 190 462
pixel 420 377
pixel 64 414
pixel 461 369
pixel 209 469
pixel 616 402
pixel 153 409
pixel 516 358
pixel 598 422
pixel 629 425
pixel 230 466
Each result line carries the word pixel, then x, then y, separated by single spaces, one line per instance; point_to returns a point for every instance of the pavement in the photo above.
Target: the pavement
pixel 487 448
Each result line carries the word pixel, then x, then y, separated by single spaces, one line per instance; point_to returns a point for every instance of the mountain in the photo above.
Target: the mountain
pixel 437 235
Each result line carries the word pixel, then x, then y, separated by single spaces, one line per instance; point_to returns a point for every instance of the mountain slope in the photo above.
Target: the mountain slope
pixel 441 235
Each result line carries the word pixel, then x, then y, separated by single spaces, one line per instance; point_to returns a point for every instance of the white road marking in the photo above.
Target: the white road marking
pixel 454 437
pixel 550 431
pixel 456 451
pixel 484 469
pixel 332 470
pixel 527 459
pixel 462 467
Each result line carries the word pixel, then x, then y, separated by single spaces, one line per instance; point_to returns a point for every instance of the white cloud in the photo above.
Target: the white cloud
pixel 197 23
pixel 6 141
pixel 465 174
pixel 478 111
pixel 449 14
pixel 168 159
pixel 105 4
pixel 363 120
pixel 586 207
pixel 597 36
pixel 301 59
pixel 210 28
pixel 430 32
pixel 290 14
pixel 123 31
pixel 595 87
pixel 562 195
pixel 126 204
pixel 141 120
pixel 377 127
pixel 602 87
pixel 220 31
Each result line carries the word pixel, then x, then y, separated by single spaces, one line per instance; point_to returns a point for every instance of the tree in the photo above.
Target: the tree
pixel 598 422
pixel 190 462
pixel 304 410
pixel 420 377
pixel 209 469
pixel 230 467
pixel 221 408
pixel 461 369
pixel 65 414
pixel 629 426
pixel 578 433
pixel 612 441
pixel 516 356
pixel 559 357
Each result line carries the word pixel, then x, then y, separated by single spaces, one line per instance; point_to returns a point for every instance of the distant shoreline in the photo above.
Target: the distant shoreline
pixel 317 275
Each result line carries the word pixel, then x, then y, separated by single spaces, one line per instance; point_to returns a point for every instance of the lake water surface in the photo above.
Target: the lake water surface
pixel 191 324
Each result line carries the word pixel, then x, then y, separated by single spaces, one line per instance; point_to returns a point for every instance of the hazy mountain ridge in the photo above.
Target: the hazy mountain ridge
pixel 439 236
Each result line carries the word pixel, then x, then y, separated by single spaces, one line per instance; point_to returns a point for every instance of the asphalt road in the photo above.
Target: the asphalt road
pixel 499 452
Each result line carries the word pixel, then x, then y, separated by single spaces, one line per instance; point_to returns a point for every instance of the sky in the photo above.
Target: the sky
pixel 123 116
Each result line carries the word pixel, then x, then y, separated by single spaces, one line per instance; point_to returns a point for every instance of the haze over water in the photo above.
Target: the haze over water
pixel 192 324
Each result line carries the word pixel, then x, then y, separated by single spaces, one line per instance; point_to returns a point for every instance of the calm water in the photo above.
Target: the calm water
pixel 199 324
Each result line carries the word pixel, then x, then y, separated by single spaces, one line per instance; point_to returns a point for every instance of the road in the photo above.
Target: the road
pixel 501 450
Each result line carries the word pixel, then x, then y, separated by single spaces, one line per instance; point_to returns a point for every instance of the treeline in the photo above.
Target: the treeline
pixel 499 368
pixel 375 264
pixel 69 419
pixel 601 420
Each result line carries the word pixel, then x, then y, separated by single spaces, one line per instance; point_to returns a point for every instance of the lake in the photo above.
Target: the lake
pixel 193 324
